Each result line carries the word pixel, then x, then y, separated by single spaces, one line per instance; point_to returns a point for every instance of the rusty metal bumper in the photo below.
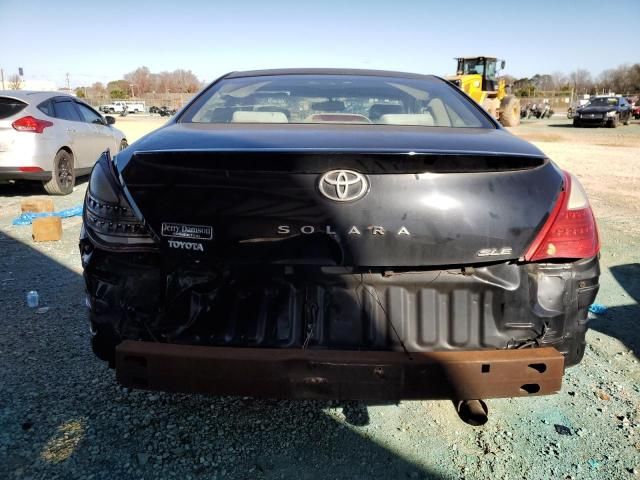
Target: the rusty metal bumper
pixel 338 374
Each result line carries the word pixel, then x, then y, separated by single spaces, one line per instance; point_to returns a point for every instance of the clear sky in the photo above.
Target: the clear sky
pixel 100 41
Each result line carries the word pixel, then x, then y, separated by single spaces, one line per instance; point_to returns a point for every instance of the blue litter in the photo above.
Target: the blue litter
pixel 597 308
pixel 593 464
pixel 27 217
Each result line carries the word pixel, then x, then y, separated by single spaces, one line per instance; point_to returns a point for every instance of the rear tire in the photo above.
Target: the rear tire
pixel 613 123
pixel 576 123
pixel 510 111
pixel 63 177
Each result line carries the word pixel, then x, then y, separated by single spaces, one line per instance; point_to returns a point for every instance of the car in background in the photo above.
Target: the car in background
pixel 337 234
pixel 636 111
pixel 575 106
pixel 52 138
pixel 131 106
pixel 603 111
pixel 165 111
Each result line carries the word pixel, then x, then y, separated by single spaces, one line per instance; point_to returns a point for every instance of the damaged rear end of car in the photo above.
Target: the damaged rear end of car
pixel 338 262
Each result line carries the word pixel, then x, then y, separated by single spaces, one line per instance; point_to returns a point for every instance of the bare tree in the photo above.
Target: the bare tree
pixel 580 80
pixel 95 91
pixel 178 81
pixel 186 80
pixel 605 81
pixel 559 80
pixel 624 79
pixel 141 78
pixel 15 82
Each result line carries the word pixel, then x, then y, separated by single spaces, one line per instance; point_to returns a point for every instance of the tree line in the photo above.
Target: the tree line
pixel 624 79
pixel 141 81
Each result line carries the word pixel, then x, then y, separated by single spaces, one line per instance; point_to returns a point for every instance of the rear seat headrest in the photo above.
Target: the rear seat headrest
pixel 379 109
pixel 259 117
pixel 423 119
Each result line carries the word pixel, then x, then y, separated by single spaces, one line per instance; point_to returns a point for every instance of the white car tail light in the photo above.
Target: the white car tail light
pixel 31 124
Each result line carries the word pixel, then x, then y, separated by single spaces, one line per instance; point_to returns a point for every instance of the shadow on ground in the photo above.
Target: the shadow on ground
pixel 25 188
pixel 623 322
pixel 62 415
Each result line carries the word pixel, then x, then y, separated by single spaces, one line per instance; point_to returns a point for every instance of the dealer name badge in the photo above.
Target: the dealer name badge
pixel 193 232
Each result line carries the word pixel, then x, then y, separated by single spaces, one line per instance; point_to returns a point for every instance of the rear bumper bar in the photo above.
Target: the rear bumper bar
pixel 14 173
pixel 338 374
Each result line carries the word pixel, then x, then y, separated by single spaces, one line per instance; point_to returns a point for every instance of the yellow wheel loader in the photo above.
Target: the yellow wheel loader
pixel 477 77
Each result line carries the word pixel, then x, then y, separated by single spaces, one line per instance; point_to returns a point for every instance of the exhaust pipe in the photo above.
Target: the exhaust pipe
pixel 473 412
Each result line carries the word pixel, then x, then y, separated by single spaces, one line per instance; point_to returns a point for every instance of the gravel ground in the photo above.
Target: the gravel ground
pixel 63 416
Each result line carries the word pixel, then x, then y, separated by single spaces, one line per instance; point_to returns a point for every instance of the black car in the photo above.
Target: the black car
pixel 337 234
pixel 603 111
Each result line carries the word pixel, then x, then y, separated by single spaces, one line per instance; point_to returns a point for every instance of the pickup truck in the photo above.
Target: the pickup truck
pixel 118 107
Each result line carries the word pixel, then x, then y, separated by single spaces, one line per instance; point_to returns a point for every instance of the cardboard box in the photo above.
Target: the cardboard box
pixel 37 205
pixel 47 229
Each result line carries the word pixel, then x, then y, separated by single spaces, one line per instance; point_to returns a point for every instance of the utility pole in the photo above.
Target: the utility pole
pixel 68 85
pixel 2 77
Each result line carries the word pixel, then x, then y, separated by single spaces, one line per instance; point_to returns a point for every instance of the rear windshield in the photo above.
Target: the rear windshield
pixel 337 99
pixel 10 106
pixel 604 102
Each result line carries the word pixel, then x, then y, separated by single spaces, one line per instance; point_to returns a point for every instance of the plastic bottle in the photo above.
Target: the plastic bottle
pixel 32 299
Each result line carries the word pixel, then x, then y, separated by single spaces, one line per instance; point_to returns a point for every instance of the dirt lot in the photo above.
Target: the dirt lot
pixel 62 415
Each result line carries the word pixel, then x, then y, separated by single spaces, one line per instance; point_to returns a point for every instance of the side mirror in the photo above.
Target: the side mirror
pixel 110 120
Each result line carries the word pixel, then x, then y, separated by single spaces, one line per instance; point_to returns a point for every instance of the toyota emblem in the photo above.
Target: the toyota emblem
pixel 343 185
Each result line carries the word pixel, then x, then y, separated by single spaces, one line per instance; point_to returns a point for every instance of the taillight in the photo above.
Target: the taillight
pixel 31 124
pixel 108 217
pixel 570 231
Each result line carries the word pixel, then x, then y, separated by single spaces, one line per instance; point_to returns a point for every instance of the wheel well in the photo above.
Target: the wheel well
pixel 70 152
pixel 66 149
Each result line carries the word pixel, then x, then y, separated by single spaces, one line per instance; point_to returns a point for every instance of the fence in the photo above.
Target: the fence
pixel 171 100
pixel 560 101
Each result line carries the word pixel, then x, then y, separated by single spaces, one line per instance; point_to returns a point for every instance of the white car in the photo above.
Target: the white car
pixel 118 107
pixel 53 138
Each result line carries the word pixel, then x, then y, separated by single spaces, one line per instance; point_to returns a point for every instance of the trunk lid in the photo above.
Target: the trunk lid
pixel 450 198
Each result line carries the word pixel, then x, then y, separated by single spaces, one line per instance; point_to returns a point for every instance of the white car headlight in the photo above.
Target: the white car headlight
pixel 612 113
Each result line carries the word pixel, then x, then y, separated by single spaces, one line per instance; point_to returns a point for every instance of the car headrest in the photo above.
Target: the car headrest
pixel 422 119
pixel 259 117
pixel 379 109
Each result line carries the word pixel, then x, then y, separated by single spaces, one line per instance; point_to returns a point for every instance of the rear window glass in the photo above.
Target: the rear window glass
pixel 604 102
pixel 337 99
pixel 10 106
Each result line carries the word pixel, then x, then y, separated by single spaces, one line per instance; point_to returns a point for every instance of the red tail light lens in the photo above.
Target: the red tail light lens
pixel 31 124
pixel 570 231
